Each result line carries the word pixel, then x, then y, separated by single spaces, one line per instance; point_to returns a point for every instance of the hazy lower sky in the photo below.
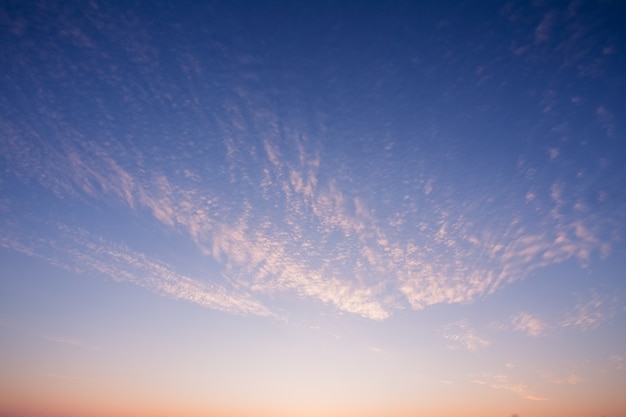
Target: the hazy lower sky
pixel 312 209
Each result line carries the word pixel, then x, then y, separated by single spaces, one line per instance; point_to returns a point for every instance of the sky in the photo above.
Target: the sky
pixel 303 209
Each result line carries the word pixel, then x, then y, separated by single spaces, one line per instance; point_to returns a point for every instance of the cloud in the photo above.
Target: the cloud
pixel 605 118
pixel 65 341
pixel 79 251
pixel 237 241
pixel 590 313
pixel 619 362
pixel 277 211
pixel 272 152
pixel 501 382
pixel 529 324
pixel 570 379
pixel 314 237
pixel 325 242
pixel 554 153
pixel 461 334
pixel 556 192
pixel 521 390
pixel 39 334
pixel 544 29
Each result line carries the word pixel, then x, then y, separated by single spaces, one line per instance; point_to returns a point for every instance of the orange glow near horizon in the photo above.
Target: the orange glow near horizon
pixel 77 399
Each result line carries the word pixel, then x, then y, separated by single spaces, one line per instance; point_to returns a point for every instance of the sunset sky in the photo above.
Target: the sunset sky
pixel 312 209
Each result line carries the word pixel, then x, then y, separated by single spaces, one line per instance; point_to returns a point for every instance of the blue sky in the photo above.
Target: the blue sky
pixel 329 208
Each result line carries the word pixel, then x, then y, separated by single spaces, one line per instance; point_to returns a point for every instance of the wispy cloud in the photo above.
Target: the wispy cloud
pixel 502 382
pixel 605 118
pixel 79 251
pixel 65 341
pixel 544 29
pixel 590 312
pixel 569 379
pixel 521 390
pixel 554 153
pixel 529 324
pixel 324 242
pixel 619 362
pixel 278 213
pixel 461 334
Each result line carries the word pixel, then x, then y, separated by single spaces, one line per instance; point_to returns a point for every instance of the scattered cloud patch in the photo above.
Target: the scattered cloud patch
pixel 554 153
pixel 461 334
pixel 591 312
pixel 529 324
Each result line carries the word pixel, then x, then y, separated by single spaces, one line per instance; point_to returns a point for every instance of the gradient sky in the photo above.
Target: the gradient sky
pixel 303 209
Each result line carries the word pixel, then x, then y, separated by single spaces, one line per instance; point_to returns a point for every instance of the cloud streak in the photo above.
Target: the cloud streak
pixel 591 312
pixel 80 251
pixel 502 382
